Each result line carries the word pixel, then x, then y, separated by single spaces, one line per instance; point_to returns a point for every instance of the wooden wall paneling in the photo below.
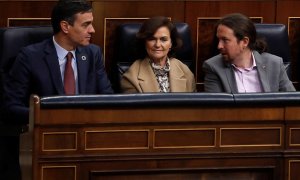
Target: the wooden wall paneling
pixel 184 138
pixel 294 40
pixel 292 163
pixel 98 23
pixel 204 45
pixel 19 9
pixel 66 172
pixel 133 142
pixel 101 140
pixel 188 173
pixel 287 12
pixel 247 137
pixel 50 141
pixel 293 138
pixel 11 22
pixel 293 169
pixel 137 115
pixel 285 9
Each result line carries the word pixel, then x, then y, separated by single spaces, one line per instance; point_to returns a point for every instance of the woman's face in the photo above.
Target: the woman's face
pixel 159 45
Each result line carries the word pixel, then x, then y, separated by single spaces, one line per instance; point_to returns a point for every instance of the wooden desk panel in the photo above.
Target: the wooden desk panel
pixel 165 142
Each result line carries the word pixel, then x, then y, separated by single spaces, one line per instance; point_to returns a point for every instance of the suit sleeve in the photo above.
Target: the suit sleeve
pixel 127 85
pixel 284 82
pixel 103 83
pixel 212 82
pixel 16 90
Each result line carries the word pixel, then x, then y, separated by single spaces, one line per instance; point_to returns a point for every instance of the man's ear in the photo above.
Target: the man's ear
pixel 245 41
pixel 64 25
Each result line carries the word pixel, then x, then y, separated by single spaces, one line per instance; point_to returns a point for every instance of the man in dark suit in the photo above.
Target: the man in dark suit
pixel 40 68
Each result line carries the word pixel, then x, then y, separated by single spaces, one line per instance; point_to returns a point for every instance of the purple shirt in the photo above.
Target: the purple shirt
pixel 247 79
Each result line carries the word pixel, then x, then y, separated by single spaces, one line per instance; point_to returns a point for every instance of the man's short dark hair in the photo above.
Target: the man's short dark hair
pixel 65 10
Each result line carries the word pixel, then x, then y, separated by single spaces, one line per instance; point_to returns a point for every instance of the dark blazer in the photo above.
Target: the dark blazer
pixel 219 75
pixel 36 71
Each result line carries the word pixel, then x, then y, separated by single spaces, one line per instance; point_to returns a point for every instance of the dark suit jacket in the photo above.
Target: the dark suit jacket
pixel 219 75
pixel 36 71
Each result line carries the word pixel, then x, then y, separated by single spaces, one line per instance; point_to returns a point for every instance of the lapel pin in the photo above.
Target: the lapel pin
pixel 83 58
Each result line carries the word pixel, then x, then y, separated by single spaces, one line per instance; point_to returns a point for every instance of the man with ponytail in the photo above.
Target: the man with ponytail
pixel 243 65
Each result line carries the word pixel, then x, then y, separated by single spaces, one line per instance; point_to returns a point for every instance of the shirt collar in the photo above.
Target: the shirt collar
pixel 250 68
pixel 61 52
pixel 254 61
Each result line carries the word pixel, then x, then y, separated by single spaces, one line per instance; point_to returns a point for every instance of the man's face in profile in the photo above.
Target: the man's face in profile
pixel 81 31
pixel 229 46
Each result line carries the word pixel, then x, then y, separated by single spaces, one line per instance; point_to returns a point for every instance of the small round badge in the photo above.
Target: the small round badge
pixel 83 58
